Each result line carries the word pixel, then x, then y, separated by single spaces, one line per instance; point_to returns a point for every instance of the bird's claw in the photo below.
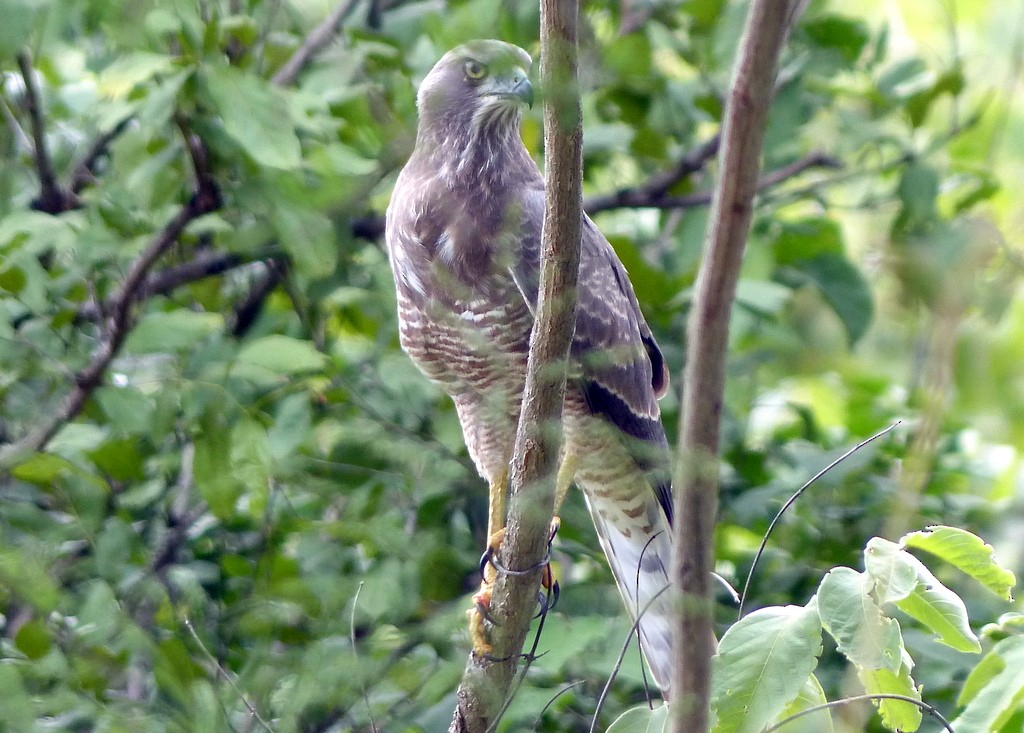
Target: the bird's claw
pixel 489 568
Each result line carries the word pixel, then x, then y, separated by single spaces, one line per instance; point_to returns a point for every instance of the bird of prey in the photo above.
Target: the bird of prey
pixel 463 235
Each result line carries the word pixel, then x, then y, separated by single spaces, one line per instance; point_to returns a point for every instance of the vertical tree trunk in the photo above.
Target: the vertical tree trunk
pixel 486 684
pixel 696 478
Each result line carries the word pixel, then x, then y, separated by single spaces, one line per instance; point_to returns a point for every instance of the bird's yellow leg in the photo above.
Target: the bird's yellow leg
pixel 497 507
pixel 497 504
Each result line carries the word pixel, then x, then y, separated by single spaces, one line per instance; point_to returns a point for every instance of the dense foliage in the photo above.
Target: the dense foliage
pixel 229 502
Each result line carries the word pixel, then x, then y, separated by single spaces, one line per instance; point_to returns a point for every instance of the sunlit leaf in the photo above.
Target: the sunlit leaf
pixel 850 614
pixel 762 664
pixel 897 715
pixel 1001 694
pixel 967 552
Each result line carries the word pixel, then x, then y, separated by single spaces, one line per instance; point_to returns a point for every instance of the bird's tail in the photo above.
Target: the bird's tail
pixel 640 563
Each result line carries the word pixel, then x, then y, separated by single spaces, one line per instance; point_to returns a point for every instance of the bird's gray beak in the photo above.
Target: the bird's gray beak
pixel 515 87
pixel 524 90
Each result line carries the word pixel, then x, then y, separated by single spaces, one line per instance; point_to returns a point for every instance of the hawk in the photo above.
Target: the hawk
pixel 463 235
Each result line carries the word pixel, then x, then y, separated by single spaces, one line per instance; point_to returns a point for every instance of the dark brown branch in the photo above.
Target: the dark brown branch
pixel 696 478
pixel 317 39
pixel 84 173
pixel 658 185
pixel 52 198
pixel 486 683
pixel 118 321
pixel 643 197
pixel 249 309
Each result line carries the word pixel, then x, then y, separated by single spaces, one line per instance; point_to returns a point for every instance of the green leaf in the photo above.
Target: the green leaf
pixel 762 664
pixel 999 699
pixel 25 576
pixel 805 239
pixel 850 614
pixel 19 17
pixel 255 116
pixel 172 331
pixel 641 720
pixel 282 355
pixel 845 35
pixel 902 579
pixel 897 715
pixel 983 673
pixel 942 611
pixel 844 288
pixel 212 468
pixel 811 696
pixel 128 71
pixel 967 552
pixel 33 639
pixel 308 238
pixel 893 576
pixel 15 704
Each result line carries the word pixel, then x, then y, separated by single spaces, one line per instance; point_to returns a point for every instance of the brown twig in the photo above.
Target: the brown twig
pixel 52 198
pixel 486 683
pixel 84 172
pixel 696 478
pixel 657 185
pixel 648 197
pixel 118 319
pixel 317 39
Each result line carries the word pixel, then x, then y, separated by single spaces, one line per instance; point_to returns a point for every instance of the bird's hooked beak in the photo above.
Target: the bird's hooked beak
pixel 514 86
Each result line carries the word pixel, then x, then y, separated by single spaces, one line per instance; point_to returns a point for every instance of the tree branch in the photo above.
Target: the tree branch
pixel 696 476
pixel 317 39
pixel 486 682
pixel 647 196
pixel 119 316
pixel 85 171
pixel 657 185
pixel 52 198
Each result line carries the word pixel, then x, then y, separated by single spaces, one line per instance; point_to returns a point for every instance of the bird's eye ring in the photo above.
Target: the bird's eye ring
pixel 475 70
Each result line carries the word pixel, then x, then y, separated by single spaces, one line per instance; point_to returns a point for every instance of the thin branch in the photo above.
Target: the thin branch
pixel 52 198
pixel 657 185
pixel 791 501
pixel 639 198
pixel 486 682
pixel 316 40
pixel 696 476
pixel 930 709
pixel 355 654
pixel 85 170
pixel 224 673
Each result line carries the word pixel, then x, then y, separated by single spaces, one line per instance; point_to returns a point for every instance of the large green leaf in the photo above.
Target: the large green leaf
pixel 897 715
pixel 282 355
pixel 902 579
pixel 997 701
pixel 762 664
pixel 255 116
pixel 850 614
pixel 965 551
pixel 811 696
pixel 641 719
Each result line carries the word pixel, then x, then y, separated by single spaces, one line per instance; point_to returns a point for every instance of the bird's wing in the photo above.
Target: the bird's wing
pixel 622 371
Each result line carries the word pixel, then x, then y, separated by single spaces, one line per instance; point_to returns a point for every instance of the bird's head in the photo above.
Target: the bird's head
pixel 480 84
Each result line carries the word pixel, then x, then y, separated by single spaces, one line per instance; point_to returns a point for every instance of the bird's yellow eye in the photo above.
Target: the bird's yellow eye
pixel 475 70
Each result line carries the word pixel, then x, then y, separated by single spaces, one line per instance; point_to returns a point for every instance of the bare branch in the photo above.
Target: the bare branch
pixel 655 188
pixel 85 171
pixel 696 478
pixel 52 198
pixel 486 682
pixel 646 197
pixel 317 39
